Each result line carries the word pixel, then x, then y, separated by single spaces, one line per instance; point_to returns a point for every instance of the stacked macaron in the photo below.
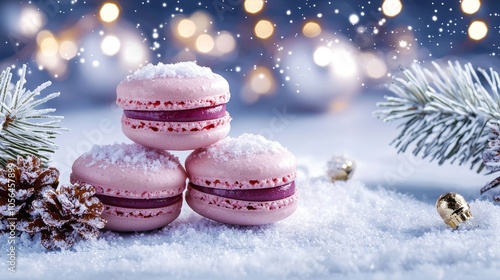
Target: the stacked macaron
pixel 244 181
pixel 141 188
pixel 174 106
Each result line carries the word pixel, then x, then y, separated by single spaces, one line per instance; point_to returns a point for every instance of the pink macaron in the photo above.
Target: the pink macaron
pixel 178 106
pixel 141 188
pixel 242 181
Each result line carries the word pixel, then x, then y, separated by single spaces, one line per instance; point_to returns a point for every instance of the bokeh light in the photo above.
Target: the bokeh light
pixel 186 28
pixel 109 12
pixel 470 6
pixel 225 42
pixel 477 30
pixel 110 45
pixel 353 19
pixel 322 56
pixel 343 63
pixel 204 43
pixel 260 82
pixel 373 66
pixel 253 6
pixel 264 29
pixel 68 49
pixel 134 53
pixel 202 21
pixel 30 21
pixel 49 46
pixel 311 29
pixel 392 8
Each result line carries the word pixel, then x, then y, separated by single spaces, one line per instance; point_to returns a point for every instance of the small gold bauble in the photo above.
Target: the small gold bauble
pixel 453 209
pixel 340 168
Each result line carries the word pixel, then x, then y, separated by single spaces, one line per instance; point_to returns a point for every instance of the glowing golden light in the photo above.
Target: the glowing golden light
pixel 264 29
pixel 392 8
pixel 109 12
pixel 261 80
pixel 311 29
pixel 225 43
pixel 49 46
pixel 68 50
pixel 110 45
pixel 43 35
pixel 322 56
pixel 253 6
pixel 204 43
pixel 186 28
pixel 470 6
pixel 477 30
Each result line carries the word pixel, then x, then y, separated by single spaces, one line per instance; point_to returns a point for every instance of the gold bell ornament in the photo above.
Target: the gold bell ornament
pixel 340 168
pixel 453 209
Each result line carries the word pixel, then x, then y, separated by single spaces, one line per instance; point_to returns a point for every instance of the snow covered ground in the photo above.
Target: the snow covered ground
pixel 381 225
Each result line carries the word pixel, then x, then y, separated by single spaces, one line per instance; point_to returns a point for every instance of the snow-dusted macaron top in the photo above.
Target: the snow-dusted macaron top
pixel 188 69
pixel 246 162
pixel 243 146
pixel 134 156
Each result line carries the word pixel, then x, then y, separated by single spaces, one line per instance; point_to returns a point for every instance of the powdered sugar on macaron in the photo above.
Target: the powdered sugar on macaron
pixel 245 145
pixel 187 69
pixel 133 156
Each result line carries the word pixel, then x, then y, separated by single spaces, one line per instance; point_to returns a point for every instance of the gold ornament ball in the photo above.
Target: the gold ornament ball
pixel 340 168
pixel 453 209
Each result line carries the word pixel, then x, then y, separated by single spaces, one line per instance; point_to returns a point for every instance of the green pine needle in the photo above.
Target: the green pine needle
pixel 446 112
pixel 24 129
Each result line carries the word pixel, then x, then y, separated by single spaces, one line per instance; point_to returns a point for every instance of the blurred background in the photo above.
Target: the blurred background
pixel 313 56
pixel 306 73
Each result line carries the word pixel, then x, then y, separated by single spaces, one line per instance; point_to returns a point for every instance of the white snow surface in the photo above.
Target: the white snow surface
pixel 185 69
pixel 380 225
pixel 344 230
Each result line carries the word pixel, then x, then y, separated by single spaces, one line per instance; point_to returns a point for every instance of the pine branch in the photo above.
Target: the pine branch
pixel 24 129
pixel 446 112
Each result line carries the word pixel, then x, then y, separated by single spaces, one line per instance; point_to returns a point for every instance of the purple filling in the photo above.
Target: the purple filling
pixel 268 194
pixel 198 114
pixel 138 203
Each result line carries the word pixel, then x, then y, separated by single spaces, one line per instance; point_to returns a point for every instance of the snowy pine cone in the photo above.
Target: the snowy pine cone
pixel 23 180
pixel 69 212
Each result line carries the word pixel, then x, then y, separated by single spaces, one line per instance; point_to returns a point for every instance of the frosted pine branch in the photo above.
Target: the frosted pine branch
pixel 446 112
pixel 24 129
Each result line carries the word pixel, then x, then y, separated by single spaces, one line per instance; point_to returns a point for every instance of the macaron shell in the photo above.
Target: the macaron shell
pixel 126 219
pixel 239 212
pixel 123 181
pixel 266 166
pixel 178 141
pixel 183 93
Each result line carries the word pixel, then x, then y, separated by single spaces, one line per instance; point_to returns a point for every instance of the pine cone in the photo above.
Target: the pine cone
pixel 69 212
pixel 491 159
pixel 26 179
